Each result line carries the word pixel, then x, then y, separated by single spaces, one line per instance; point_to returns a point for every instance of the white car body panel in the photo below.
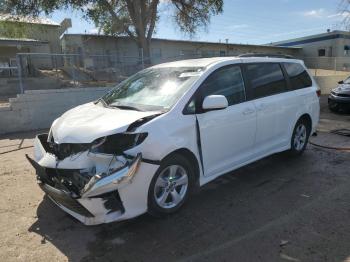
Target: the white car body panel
pixel 229 138
pixel 237 122
pixel 85 123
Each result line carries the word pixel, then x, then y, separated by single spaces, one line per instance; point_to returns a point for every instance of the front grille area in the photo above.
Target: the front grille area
pixel 64 199
pixel 343 95
pixel 72 179
pixel 61 151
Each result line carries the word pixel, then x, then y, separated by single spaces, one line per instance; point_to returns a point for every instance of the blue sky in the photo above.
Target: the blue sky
pixel 243 21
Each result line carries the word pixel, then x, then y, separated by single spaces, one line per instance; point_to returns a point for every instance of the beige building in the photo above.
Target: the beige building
pixel 121 49
pixel 20 34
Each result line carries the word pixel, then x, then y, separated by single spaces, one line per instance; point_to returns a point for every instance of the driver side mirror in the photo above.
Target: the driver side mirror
pixel 341 82
pixel 214 102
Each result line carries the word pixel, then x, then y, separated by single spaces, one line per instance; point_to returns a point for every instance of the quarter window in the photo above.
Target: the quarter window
pixel 298 76
pixel 226 81
pixel 265 79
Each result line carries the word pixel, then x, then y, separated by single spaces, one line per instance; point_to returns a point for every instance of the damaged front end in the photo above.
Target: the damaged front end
pixel 88 180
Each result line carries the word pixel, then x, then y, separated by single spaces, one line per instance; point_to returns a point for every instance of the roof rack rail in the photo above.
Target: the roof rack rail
pixel 267 55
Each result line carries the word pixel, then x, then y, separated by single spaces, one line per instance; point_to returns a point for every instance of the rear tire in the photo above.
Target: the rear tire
pixel 170 186
pixel 300 137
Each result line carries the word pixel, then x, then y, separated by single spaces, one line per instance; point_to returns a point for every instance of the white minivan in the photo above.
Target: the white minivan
pixel 146 144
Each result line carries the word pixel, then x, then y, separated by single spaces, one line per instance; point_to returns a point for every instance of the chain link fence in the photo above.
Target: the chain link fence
pixel 29 71
pixel 55 71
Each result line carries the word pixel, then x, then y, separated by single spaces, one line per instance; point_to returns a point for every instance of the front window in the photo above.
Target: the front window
pixel 153 89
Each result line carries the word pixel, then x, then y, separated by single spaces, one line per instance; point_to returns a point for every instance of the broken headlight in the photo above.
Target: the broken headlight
pixel 118 143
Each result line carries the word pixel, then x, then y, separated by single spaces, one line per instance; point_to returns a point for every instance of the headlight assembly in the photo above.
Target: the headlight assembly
pixel 118 143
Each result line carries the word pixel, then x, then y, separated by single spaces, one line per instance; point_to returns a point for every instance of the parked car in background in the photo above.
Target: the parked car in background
pixel 339 99
pixel 150 141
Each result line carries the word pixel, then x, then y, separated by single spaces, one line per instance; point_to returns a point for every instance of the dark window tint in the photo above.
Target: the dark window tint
pixel 226 81
pixel 298 76
pixel 265 79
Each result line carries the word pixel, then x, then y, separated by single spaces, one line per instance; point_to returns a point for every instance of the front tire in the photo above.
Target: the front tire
pixel 170 186
pixel 300 137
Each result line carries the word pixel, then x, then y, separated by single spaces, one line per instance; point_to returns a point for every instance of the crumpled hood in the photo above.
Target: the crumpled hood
pixel 342 89
pixel 85 123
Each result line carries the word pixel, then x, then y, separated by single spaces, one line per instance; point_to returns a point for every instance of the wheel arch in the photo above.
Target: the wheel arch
pixel 306 117
pixel 189 155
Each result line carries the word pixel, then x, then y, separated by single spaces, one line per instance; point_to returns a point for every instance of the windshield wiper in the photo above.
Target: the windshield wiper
pixel 126 107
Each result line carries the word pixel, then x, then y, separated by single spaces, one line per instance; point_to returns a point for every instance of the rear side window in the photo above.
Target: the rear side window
pixel 265 79
pixel 226 81
pixel 298 76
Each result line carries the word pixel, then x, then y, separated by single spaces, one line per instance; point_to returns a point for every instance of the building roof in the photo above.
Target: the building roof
pixel 22 41
pixel 179 41
pixel 312 38
pixel 28 19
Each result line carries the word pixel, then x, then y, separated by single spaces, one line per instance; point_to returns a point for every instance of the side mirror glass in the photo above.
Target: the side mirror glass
pixel 341 82
pixel 214 102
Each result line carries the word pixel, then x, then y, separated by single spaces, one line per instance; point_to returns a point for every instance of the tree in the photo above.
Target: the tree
pixel 344 11
pixel 134 18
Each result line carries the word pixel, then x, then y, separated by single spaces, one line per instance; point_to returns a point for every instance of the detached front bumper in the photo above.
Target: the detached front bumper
pixel 110 194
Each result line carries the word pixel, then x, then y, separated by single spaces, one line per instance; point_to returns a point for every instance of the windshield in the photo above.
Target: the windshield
pixel 153 89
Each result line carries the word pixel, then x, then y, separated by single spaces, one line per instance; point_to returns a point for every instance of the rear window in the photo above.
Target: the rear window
pixel 266 79
pixel 298 76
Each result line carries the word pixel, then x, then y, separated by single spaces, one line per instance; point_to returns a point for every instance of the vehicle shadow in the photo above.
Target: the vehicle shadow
pixel 244 214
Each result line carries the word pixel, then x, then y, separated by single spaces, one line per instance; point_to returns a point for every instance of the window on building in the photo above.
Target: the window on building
pixel 298 76
pixel 222 53
pixel 322 52
pixel 266 79
pixel 226 81
pixel 346 50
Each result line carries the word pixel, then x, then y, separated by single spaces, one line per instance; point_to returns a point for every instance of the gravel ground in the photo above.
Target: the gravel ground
pixel 277 209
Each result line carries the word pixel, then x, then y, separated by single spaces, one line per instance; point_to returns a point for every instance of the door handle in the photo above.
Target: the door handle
pixel 248 111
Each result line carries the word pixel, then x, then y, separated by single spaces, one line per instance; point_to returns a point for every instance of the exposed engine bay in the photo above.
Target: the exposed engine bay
pixel 79 181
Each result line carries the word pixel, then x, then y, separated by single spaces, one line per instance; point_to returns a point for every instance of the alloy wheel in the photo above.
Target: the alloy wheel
pixel 171 186
pixel 300 137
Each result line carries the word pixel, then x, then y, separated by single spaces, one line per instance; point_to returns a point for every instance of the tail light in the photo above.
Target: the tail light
pixel 318 92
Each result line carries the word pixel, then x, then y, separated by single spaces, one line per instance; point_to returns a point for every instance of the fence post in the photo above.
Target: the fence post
pixel 19 70
pixel 335 65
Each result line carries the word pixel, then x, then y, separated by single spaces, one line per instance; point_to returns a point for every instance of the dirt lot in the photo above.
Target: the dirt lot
pixel 278 209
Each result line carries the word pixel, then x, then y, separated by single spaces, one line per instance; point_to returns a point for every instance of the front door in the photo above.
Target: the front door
pixel 227 135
